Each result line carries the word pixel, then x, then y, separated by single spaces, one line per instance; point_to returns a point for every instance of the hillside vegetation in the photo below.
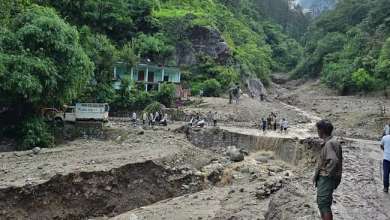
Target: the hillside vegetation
pixel 56 52
pixel 349 47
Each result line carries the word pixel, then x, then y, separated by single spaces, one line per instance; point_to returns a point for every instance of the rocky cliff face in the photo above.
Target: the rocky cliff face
pixel 202 40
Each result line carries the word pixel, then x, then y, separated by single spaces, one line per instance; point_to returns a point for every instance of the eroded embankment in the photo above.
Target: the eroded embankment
pixel 293 151
pixel 102 193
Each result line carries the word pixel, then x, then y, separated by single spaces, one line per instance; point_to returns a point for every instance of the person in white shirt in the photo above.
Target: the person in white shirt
pixel 151 119
pixel 164 121
pixel 385 145
pixel 144 118
pixel 285 125
pixel 134 119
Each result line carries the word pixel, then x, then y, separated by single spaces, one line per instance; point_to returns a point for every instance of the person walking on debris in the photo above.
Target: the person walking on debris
pixel 328 173
pixel 264 125
pixel 134 119
pixel 262 97
pixel 230 97
pixel 215 118
pixel 151 119
pixel 386 130
pixel 209 118
pixel 281 125
pixel 285 125
pixel 269 122
pixel 275 125
pixel 385 145
pixel 144 118
pixel 235 93
pixel 164 121
pixel 156 118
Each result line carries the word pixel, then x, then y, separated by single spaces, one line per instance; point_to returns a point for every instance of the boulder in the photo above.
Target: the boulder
pixel 234 154
pixel 36 150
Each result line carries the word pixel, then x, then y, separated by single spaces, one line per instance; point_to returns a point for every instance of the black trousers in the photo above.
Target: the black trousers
pixel 386 172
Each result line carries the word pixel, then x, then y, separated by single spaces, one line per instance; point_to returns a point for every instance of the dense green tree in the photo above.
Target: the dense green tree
pixel 43 62
pixel 101 51
pixel 211 88
pixel 156 47
pixel 10 8
pixel 118 19
pixel 383 67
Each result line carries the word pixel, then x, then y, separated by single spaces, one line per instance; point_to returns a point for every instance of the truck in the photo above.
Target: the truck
pixel 79 112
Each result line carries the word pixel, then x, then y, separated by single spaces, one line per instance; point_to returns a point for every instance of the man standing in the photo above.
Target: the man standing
pixel 209 118
pixel 264 125
pixel 134 119
pixel 329 169
pixel 144 118
pixel 385 145
pixel 215 118
pixel 285 125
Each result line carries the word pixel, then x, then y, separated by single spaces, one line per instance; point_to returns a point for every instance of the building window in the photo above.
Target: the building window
pixel 166 78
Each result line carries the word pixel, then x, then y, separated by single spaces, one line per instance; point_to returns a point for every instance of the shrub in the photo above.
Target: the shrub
pixel 363 80
pixel 153 107
pixel 34 132
pixel 196 88
pixel 211 88
pixel 166 95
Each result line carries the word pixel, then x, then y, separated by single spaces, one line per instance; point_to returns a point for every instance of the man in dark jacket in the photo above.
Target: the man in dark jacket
pixel 329 169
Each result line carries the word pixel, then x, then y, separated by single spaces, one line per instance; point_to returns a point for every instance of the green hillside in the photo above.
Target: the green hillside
pixel 349 47
pixel 55 52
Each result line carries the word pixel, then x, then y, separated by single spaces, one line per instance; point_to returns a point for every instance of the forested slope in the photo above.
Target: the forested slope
pixel 349 47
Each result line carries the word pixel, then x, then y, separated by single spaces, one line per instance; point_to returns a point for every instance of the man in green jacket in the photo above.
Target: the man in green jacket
pixel 329 169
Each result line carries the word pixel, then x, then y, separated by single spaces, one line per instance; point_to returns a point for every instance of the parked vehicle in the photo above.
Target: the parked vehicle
pixel 79 112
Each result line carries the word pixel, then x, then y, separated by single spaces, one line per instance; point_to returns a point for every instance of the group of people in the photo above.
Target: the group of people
pixel 210 120
pixel 271 123
pixel 234 94
pixel 151 119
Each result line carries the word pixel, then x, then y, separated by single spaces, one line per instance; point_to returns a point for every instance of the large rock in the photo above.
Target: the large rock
pixel 203 40
pixel 235 154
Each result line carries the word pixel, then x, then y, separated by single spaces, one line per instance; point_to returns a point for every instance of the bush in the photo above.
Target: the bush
pixel 196 88
pixel 152 108
pixel 34 132
pixel 211 88
pixel 166 95
pixel 363 80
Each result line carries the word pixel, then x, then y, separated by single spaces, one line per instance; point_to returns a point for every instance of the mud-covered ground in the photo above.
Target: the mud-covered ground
pixel 354 116
pixel 122 147
pixel 142 174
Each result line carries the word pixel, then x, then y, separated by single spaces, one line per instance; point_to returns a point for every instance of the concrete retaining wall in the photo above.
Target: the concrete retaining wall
pixel 290 150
